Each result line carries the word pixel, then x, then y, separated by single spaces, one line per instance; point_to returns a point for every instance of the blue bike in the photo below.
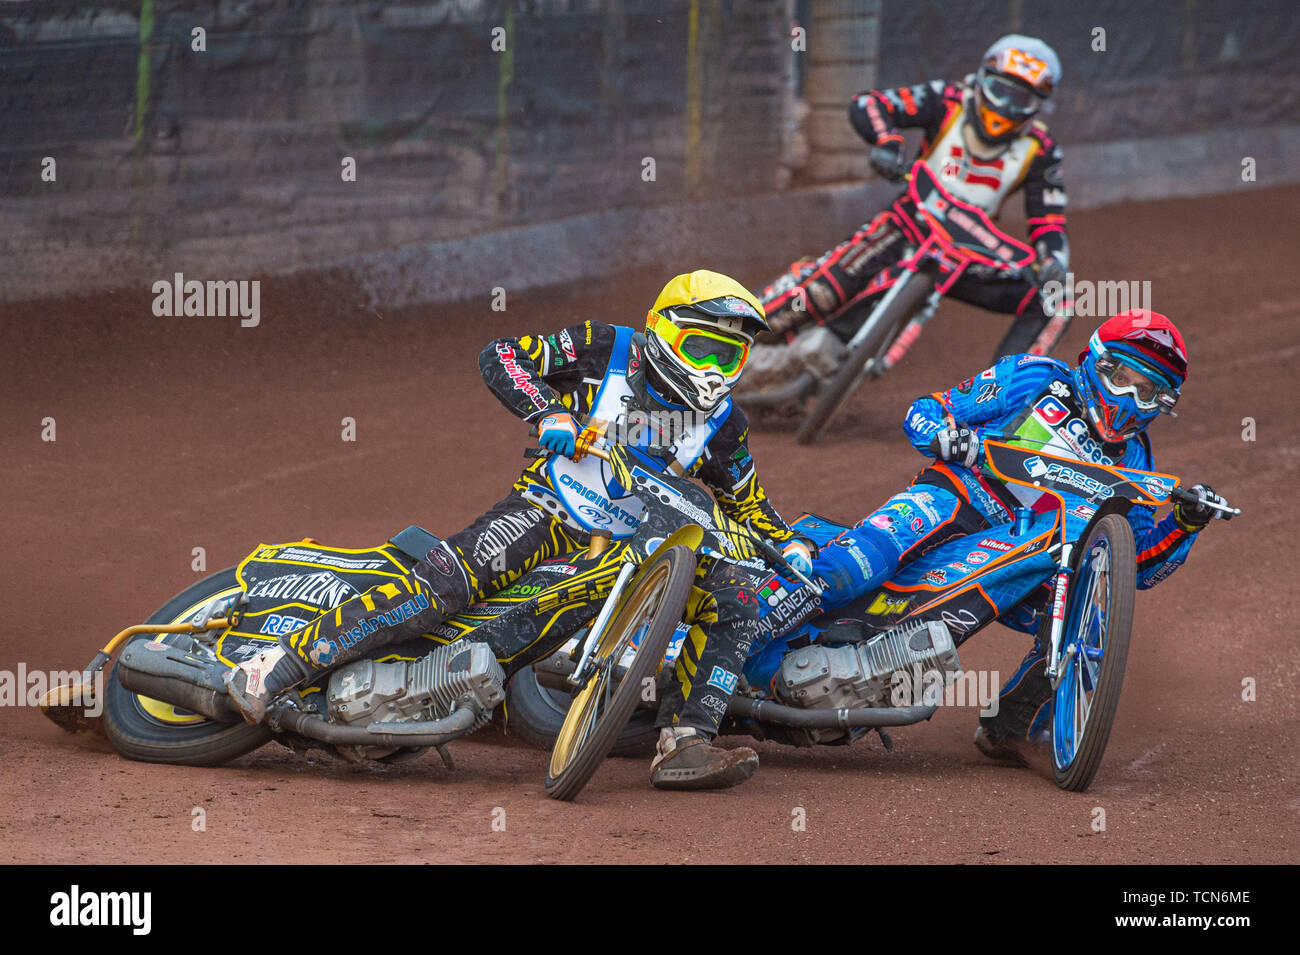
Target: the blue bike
pixel 1065 571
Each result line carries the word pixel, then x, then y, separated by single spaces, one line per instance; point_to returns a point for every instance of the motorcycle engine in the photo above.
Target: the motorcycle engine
pixel 909 665
pixel 451 677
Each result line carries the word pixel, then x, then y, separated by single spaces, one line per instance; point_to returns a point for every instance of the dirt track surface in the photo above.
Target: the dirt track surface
pixel 179 433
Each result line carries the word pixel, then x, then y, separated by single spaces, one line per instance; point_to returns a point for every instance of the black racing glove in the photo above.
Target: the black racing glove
pixel 1194 517
pixel 957 445
pixel 887 159
pixel 1049 269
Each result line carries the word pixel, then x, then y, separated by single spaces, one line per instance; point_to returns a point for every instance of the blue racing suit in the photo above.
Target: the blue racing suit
pixel 1022 396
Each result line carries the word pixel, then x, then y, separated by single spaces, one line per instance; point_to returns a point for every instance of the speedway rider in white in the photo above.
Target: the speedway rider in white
pixel 983 141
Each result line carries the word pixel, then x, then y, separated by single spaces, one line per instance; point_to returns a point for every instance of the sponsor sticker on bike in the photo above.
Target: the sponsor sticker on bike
pixel 993 544
pixel 886 603
pixel 278 624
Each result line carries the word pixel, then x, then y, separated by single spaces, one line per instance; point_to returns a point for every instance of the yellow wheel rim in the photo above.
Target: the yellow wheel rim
pixel 639 605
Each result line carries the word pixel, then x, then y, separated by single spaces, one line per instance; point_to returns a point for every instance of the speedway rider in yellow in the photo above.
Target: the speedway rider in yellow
pixel 669 386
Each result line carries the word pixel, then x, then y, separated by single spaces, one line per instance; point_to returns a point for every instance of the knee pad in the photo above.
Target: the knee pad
pixel 853 564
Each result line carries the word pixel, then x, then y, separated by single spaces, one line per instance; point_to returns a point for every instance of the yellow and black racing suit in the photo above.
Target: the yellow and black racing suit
pixel 534 376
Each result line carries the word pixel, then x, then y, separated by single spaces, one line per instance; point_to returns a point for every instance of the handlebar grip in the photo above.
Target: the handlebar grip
pixel 1185 496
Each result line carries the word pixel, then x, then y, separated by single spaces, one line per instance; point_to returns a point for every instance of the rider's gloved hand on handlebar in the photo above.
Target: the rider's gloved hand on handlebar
pixel 799 556
pixel 957 446
pixel 1194 517
pixel 558 433
pixel 1049 269
pixel 887 159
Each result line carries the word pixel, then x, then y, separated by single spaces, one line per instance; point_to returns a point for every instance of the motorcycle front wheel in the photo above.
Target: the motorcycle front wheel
pixel 1095 641
pixel 644 623
pixel 154 731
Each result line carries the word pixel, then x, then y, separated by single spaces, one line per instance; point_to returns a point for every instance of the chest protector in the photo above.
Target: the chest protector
pixel 982 182
pixel 587 487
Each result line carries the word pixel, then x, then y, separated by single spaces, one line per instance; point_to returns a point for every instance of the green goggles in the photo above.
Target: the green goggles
pixel 699 347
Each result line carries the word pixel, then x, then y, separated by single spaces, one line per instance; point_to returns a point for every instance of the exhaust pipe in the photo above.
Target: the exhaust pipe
pixel 169 673
pixel 765 711
pixel 427 733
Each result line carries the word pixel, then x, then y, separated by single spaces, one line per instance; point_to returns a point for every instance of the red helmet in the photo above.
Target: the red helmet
pixel 1146 342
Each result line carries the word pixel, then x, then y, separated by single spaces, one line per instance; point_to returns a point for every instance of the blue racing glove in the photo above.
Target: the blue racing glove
pixel 558 433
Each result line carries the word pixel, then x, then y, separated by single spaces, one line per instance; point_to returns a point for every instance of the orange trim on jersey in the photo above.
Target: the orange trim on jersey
pixel 1154 551
pixel 956 593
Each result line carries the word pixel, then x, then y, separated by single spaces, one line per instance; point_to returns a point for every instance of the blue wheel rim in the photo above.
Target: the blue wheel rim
pixel 1086 630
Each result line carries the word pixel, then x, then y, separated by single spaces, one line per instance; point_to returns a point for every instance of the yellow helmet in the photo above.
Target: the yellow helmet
pixel 698 334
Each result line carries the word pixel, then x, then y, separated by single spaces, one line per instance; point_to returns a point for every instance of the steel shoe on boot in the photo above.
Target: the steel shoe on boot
pixel 998 749
pixel 254 683
pixel 686 760
pixel 1021 720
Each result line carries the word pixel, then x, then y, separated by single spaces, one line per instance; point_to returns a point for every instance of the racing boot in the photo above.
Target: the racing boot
pixel 1020 728
pixel 685 759
pixel 255 683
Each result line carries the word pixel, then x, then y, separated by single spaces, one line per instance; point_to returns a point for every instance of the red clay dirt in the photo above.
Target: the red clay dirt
pixel 176 433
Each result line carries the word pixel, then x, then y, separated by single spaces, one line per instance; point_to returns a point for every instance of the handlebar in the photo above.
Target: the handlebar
pixel 1179 494
pixel 770 551
pixel 777 560
pixel 1185 496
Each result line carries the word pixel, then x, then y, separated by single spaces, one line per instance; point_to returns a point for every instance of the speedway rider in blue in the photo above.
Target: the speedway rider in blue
pixel 1131 373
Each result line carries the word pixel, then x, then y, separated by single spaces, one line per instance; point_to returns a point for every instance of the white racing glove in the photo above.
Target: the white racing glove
pixel 957 446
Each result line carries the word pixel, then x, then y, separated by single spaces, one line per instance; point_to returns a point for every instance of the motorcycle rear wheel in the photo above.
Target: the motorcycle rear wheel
pixel 1098 625
pixel 535 714
pixel 600 710
pixel 153 731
